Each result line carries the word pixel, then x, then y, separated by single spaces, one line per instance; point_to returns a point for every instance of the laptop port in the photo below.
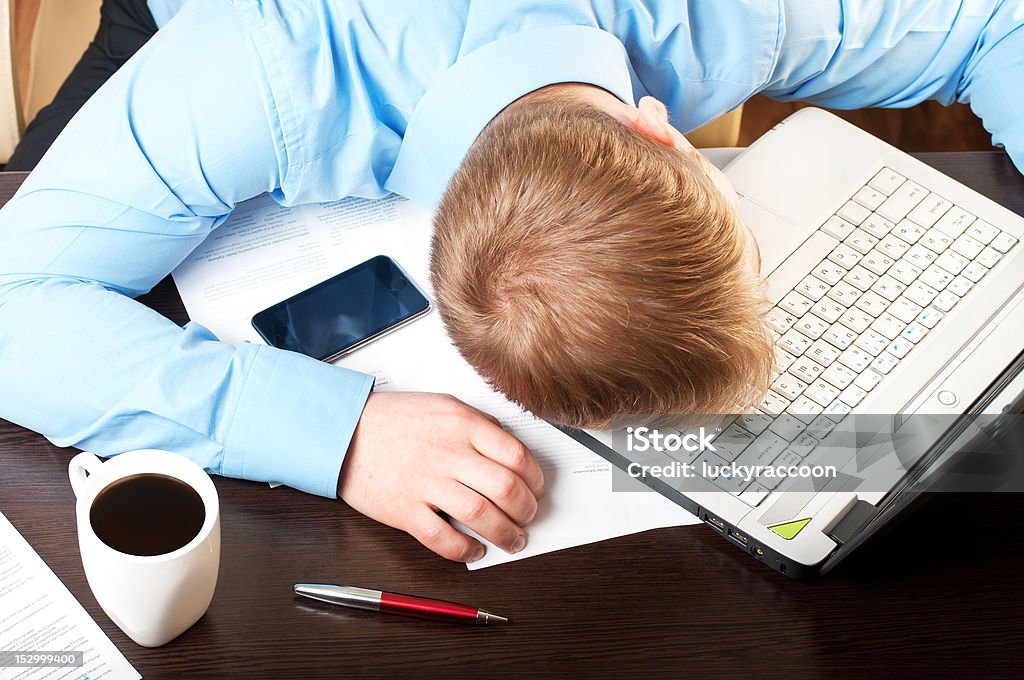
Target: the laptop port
pixel 715 522
pixel 758 552
pixel 737 536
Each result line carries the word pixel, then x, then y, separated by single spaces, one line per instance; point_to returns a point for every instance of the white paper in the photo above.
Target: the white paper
pixel 265 253
pixel 38 613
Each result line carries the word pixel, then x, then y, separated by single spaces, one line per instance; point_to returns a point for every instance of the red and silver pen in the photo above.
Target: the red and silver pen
pixel 393 603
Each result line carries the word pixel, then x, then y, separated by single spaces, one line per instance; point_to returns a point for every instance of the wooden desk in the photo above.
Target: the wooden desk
pixel 941 594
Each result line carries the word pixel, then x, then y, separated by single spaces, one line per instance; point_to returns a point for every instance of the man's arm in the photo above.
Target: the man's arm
pixel 148 168
pixel 861 53
pixel 137 180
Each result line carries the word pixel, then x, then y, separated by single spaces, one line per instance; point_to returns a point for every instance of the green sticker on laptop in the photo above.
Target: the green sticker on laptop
pixel 789 530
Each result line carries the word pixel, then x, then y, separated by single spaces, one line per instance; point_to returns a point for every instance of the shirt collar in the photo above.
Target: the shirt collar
pixel 479 85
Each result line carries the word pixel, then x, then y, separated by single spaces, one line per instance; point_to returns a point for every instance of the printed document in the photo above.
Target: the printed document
pixel 39 616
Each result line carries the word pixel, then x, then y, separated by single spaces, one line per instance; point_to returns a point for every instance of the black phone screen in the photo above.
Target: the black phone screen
pixel 343 311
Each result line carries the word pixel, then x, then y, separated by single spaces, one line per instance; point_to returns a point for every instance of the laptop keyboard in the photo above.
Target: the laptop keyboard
pixel 899 258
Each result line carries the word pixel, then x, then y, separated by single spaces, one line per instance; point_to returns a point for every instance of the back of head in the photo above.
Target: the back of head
pixel 586 270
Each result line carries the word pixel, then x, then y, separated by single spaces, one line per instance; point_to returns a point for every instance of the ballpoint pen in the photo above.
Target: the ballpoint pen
pixel 394 603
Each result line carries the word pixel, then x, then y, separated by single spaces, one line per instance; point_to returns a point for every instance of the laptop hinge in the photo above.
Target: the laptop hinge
pixel 854 520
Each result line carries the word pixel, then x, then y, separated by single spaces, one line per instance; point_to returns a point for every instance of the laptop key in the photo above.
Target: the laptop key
pixel 904 309
pixel 969 247
pixel 982 231
pixel 951 262
pixel 755 494
pixel 893 247
pixel 905 272
pixel 856 320
pixel 855 359
pixel 989 257
pixel 806 369
pixel 811 326
pixel 908 231
pixel 794 342
pixel 887 181
pixel 914 332
pixel 828 309
pixel 839 376
pixel 902 201
pixel 955 221
pixel 823 353
pixel 787 426
pixel 1002 243
pixel 935 240
pixel 773 404
pixel 844 293
pixel 899 348
pixel 860 278
pixel 974 272
pixel 861 241
pixel 884 363
pixel 877 262
pixel 844 256
pixel 820 427
pixel 867 381
pixel 829 272
pixel 788 457
pixel 945 300
pixel 921 256
pixel 888 287
pixel 837 227
pixel 872 303
pixel 732 442
pixel 929 317
pixel 795 303
pixel 780 320
pixel 871 342
pixel 805 410
pixel 921 293
pixel 839 336
pixel 783 359
pixel 960 286
pixel 821 392
pixel 854 213
pixel 888 326
pixel 870 198
pixel 755 422
pixel 876 225
pixel 929 210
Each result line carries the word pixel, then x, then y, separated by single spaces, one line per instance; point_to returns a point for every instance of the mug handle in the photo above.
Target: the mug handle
pixel 79 469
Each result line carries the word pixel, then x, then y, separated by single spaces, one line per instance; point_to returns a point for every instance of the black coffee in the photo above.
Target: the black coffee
pixel 147 515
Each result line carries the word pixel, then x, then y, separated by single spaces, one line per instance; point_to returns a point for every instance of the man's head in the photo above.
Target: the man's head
pixel 587 261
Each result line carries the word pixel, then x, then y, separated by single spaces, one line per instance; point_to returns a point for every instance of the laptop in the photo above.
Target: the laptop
pixel 898 309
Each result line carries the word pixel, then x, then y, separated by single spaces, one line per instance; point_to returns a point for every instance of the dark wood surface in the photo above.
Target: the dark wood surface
pixel 929 126
pixel 940 595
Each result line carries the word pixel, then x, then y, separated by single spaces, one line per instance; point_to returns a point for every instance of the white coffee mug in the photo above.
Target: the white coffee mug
pixel 152 599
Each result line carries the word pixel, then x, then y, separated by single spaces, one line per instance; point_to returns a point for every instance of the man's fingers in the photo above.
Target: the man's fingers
pixel 482 516
pixel 504 449
pixel 426 527
pixel 485 414
pixel 498 484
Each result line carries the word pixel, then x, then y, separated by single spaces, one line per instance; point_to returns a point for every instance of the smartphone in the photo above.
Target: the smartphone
pixel 345 312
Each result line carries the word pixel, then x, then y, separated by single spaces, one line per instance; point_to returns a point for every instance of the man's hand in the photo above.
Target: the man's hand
pixel 414 454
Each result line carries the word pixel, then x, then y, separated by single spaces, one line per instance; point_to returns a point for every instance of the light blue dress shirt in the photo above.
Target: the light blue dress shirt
pixel 315 100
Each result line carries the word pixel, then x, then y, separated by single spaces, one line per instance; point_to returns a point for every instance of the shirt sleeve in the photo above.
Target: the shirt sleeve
pixel 860 53
pixel 151 164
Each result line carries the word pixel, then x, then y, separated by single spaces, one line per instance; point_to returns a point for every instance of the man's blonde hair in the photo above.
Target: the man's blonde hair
pixel 586 270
